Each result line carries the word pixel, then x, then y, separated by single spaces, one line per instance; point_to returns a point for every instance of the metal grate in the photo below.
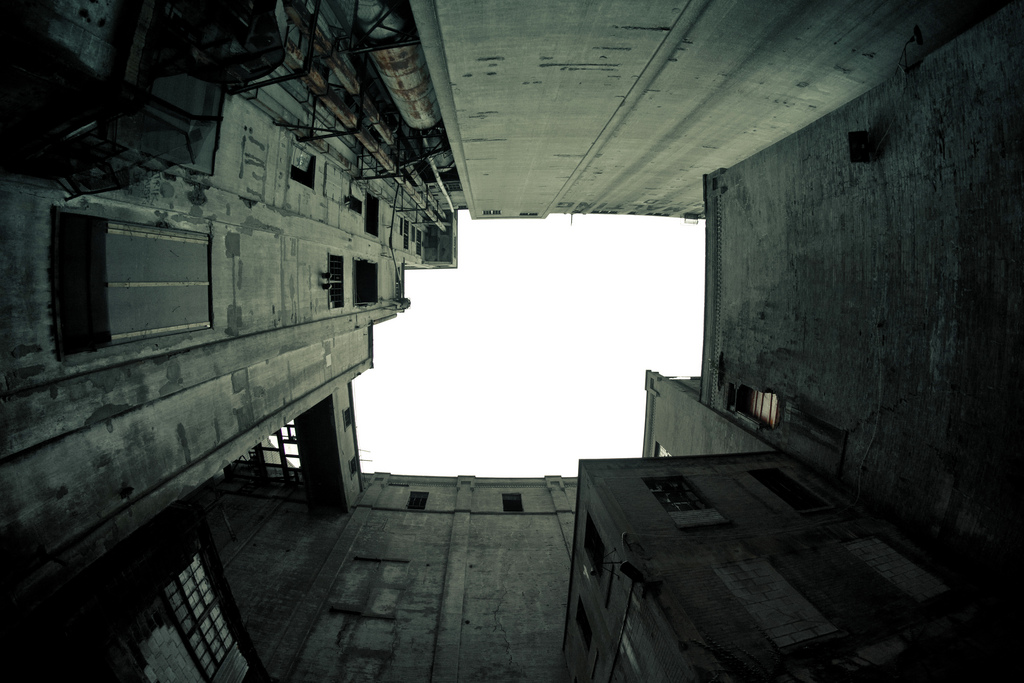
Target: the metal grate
pixel 336 280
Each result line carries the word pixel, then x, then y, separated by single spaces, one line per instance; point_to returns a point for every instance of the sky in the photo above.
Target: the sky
pixel 531 354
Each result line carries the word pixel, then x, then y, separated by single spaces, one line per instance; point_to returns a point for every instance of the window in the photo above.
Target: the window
pixel 492 212
pixel 419 242
pixel 195 606
pixel 366 282
pixel 779 483
pixel 117 282
pixel 583 623
pixel 371 217
pixel 682 502
pixel 512 502
pixel 303 167
pixel 353 464
pixel 405 234
pixel 336 281
pixel 346 417
pixel 674 493
pixel 760 405
pixel 594 546
pixel 417 500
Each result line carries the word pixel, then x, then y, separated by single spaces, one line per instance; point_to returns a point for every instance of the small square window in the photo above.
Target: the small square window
pixel 512 502
pixel 417 500
pixel 303 167
pixel 346 417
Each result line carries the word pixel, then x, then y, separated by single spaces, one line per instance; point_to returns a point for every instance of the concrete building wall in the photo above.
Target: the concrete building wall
pixel 880 302
pixel 458 591
pixel 771 588
pixel 620 108
pixel 678 424
pixel 94 443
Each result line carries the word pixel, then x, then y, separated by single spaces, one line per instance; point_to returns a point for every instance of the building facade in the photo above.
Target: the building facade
pixel 196 251
pixel 864 316
pixel 425 578
pixel 748 567
pixel 621 108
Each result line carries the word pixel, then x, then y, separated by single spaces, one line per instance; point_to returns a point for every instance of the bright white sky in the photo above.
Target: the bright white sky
pixel 531 354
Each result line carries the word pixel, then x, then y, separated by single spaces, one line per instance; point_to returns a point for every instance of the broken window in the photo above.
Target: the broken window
pixel 195 605
pixel 371 216
pixel 274 459
pixel 593 545
pixel 417 500
pixel 336 281
pixel 760 405
pixel 682 502
pixel 674 493
pixel 512 502
pixel 779 483
pixel 117 282
pixel 303 167
pixel 583 623
pixel 366 282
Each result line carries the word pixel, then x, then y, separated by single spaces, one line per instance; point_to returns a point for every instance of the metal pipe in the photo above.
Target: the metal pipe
pixel 402 69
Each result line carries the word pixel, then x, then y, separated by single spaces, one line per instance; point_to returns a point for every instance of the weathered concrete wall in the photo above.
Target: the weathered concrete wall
pixel 95 443
pixel 884 298
pixel 460 591
pixel 621 107
pixel 727 591
pixel 677 421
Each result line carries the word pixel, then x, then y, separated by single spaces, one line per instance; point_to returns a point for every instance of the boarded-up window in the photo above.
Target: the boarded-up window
pixel 118 282
pixel 760 405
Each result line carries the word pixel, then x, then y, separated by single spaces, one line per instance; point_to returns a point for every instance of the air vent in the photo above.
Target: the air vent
pixel 528 213
pixel 492 212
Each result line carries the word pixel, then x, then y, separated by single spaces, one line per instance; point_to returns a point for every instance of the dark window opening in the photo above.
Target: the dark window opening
pixel 593 545
pixel 353 464
pixel 779 483
pixel 303 167
pixel 354 204
pixel 512 502
pixel 760 405
pixel 346 417
pixel 675 493
pixel 417 500
pixel 336 281
pixel 583 623
pixel 366 282
pixel 371 217
pixel 117 283
pixel 405 234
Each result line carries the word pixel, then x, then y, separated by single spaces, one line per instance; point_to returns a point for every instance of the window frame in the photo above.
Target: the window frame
pixel 512 502
pixel 593 545
pixel 209 612
pixel 417 500
pixel 583 623
pixel 335 281
pixel 67 281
